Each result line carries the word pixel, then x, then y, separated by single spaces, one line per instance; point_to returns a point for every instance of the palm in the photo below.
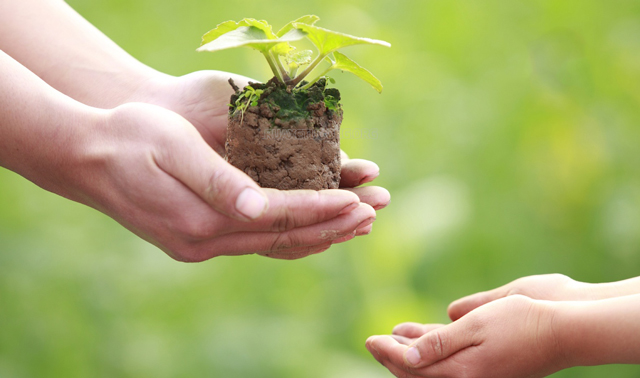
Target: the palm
pixel 202 98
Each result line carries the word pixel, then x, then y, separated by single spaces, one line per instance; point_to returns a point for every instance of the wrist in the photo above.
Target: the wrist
pixel 550 333
pixel 53 151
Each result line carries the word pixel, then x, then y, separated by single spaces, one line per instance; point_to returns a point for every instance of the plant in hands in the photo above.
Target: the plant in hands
pixel 285 133
pixel 89 151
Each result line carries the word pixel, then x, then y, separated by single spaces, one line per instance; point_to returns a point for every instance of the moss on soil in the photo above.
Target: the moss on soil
pixel 288 107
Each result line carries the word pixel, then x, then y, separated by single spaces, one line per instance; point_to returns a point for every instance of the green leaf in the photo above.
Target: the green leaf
pixel 249 36
pixel 309 20
pixel 328 41
pixel 342 62
pixel 248 32
pixel 296 59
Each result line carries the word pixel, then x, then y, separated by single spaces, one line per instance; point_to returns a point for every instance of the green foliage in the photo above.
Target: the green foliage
pixel 332 103
pixel 340 61
pixel 309 20
pixel 248 97
pixel 276 47
pixel 248 32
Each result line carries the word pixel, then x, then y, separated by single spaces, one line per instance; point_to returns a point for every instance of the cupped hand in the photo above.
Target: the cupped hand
pixel 552 287
pixel 202 98
pixel 511 337
pixel 151 170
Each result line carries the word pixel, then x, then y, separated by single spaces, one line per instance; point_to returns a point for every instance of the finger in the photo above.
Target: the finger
pixel 190 160
pixel 375 196
pixel 356 172
pixel 414 330
pixel 382 350
pixel 345 238
pixel 388 349
pixel 298 208
pixel 403 340
pixel 463 306
pixel 364 230
pixel 439 344
pixel 288 210
pixel 372 350
pixel 402 372
pixel 298 253
pixel 277 242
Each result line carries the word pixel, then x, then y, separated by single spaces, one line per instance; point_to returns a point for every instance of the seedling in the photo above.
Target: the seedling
pixel 283 58
pixel 285 133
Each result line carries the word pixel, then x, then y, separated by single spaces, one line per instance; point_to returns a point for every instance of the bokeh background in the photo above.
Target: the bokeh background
pixel 508 134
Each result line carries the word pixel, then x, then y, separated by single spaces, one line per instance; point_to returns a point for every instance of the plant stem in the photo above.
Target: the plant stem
pixel 307 71
pixel 273 66
pixel 309 84
pixel 281 68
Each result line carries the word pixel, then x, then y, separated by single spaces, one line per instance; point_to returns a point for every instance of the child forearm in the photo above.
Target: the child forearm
pixel 615 289
pixel 599 332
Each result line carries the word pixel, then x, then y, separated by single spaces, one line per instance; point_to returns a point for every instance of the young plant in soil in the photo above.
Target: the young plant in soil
pixel 285 133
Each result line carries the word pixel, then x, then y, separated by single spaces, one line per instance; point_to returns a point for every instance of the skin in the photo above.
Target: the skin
pixel 147 148
pixel 531 327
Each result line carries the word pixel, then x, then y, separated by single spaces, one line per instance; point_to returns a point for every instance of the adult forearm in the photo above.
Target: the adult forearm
pixel 599 332
pixel 70 54
pixel 37 132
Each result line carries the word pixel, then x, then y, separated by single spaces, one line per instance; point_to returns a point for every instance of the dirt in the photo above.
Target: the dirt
pixel 287 139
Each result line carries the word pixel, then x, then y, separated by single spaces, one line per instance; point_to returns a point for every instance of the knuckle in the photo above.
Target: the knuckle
pixel 187 253
pixel 194 229
pixel 560 278
pixel 283 222
pixel 215 184
pixel 518 300
pixel 436 342
pixel 284 241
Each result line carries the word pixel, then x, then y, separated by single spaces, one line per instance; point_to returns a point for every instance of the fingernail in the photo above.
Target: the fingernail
pixel 251 204
pixel 372 340
pixel 412 355
pixel 367 179
pixel 365 223
pixel 364 230
pixel 349 208
pixel 344 238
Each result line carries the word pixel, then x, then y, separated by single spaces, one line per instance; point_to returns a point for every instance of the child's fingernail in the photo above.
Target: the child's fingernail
pixel 412 355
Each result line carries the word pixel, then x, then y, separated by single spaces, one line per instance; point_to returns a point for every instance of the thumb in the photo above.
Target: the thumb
pixel 462 306
pixel 221 185
pixel 439 344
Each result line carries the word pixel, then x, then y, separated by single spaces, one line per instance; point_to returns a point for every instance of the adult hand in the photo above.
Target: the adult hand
pixel 202 98
pixel 149 169
pixel 508 338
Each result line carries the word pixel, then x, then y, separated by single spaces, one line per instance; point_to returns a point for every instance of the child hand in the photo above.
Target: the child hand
pixel 552 287
pixel 509 337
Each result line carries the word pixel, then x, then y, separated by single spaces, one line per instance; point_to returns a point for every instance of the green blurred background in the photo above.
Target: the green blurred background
pixel 507 134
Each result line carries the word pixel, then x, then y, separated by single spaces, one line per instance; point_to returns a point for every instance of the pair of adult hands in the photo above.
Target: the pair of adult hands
pixel 167 181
